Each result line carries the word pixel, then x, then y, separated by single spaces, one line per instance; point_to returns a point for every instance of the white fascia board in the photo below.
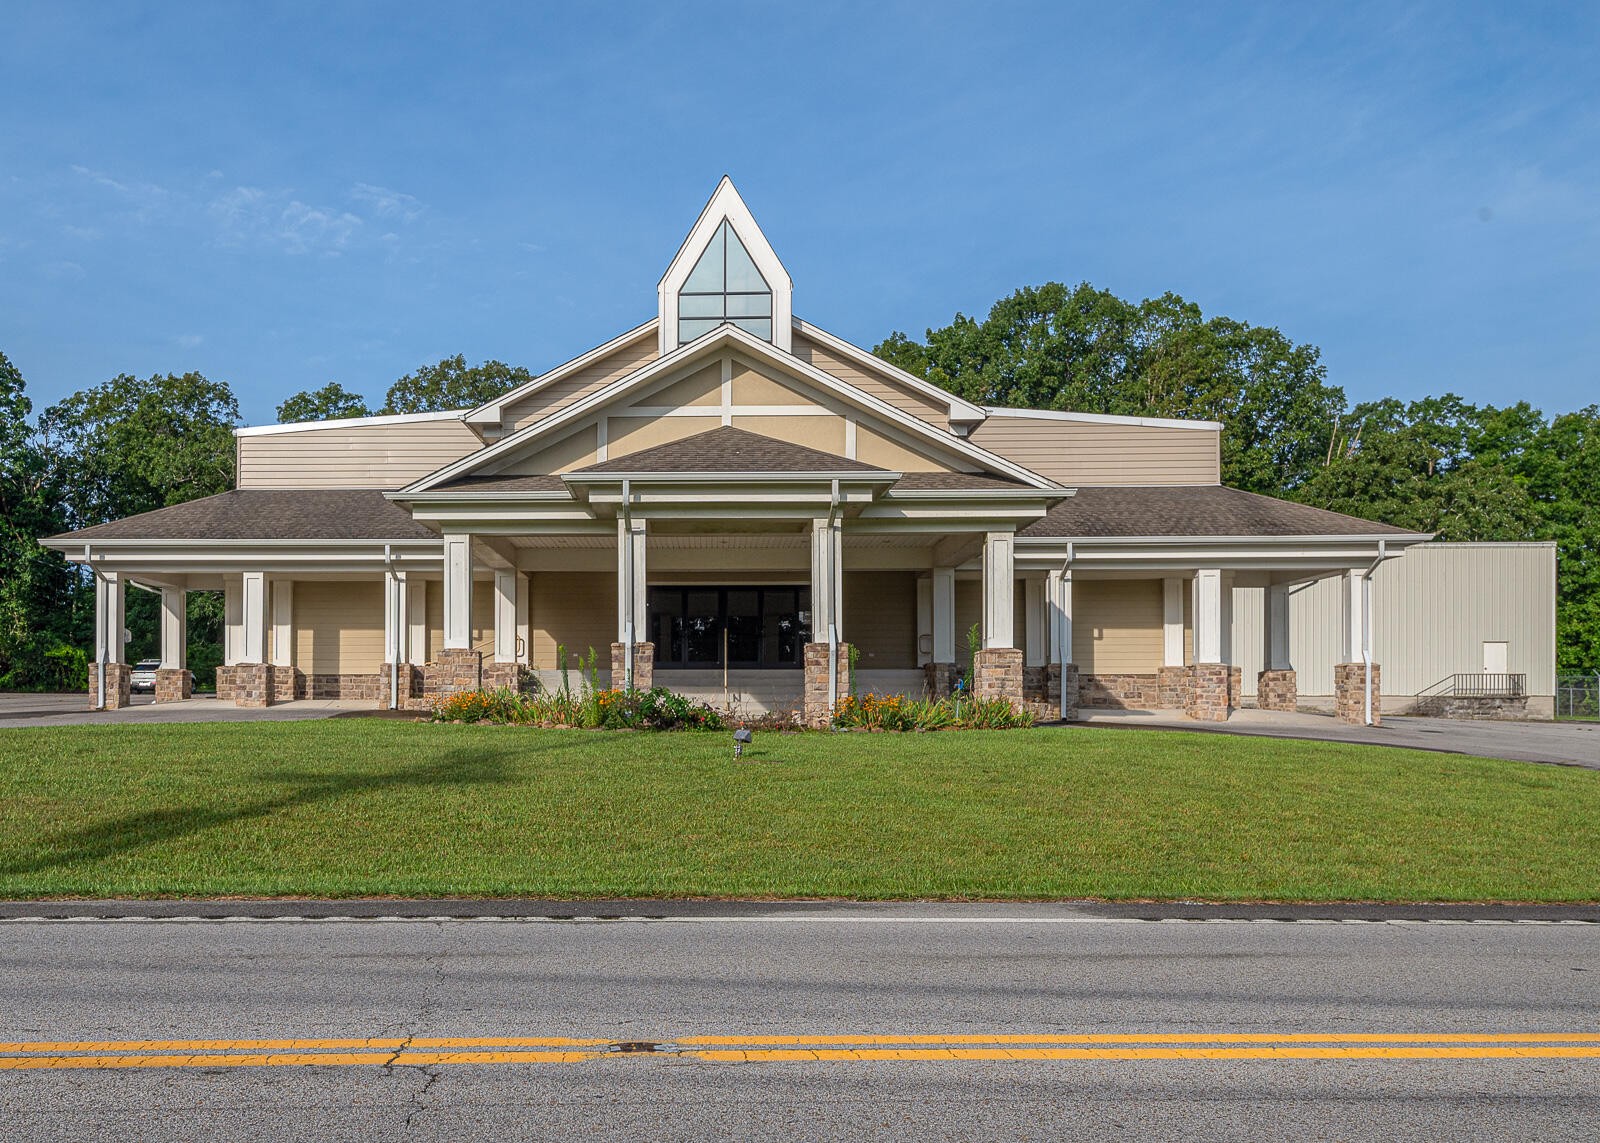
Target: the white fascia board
pixel 707 343
pixel 726 203
pixel 1402 539
pixel 445 495
pixel 733 478
pixel 124 543
pixel 492 412
pixel 349 423
pixel 962 410
pixel 1102 418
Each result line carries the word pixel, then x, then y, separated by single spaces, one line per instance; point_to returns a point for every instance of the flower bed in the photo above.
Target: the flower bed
pixel 585 709
pixel 896 712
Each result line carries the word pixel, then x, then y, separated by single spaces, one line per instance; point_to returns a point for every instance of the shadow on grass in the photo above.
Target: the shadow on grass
pixel 138 831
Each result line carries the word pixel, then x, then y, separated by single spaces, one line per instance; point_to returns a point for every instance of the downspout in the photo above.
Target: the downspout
pixel 100 642
pixel 1063 636
pixel 393 621
pixel 833 589
pixel 627 626
pixel 1366 625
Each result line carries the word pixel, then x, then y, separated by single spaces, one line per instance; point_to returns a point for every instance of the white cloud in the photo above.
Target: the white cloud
pixel 188 340
pixel 386 203
pixel 251 215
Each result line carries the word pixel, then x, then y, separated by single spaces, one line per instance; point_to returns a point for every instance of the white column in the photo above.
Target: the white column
pixel 1351 617
pixel 283 622
pixel 457 592
pixel 1058 589
pixel 110 616
pixel 924 621
pixel 632 579
pixel 826 580
pixel 1275 614
pixel 999 570
pixel 232 621
pixel 174 628
pixel 1035 622
pixel 1208 616
pixel 417 620
pixel 1172 622
pixel 397 617
pixel 944 615
pixel 253 599
pixel 524 619
pixel 505 615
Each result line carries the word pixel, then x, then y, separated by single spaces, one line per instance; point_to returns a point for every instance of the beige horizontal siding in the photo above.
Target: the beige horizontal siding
pixel 338 627
pixel 575 609
pixel 879 383
pixel 1078 452
pixel 1117 626
pixel 880 618
pixel 482 620
pixel 597 374
pixel 353 456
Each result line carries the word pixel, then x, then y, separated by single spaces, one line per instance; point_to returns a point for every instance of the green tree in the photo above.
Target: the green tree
pixel 1086 350
pixel 328 403
pixel 452 384
pixel 132 445
pixel 36 589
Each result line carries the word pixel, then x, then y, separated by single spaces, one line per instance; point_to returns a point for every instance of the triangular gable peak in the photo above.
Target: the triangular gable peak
pixel 730 377
pixel 725 271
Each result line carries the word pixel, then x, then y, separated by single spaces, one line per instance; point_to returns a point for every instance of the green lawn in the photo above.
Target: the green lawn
pixel 359 807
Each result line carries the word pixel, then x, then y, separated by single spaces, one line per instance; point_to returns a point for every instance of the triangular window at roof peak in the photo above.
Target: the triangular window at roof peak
pixel 724 286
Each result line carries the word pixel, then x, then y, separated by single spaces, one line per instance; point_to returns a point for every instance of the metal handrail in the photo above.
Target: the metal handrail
pixel 1482 684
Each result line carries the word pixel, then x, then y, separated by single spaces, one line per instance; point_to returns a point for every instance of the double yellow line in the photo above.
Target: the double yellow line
pixel 419 1051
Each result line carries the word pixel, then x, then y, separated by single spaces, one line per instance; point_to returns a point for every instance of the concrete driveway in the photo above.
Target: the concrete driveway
pixel 17 710
pixel 1564 743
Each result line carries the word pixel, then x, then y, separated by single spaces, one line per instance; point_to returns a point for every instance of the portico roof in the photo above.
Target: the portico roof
pixel 1210 510
pixel 731 451
pixel 263 514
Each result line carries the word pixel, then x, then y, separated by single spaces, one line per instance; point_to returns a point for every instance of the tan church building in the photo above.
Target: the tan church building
pixel 728 500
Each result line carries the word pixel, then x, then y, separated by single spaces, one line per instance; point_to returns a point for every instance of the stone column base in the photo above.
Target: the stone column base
pixel 174 684
pixel 287 684
pixel 1278 689
pixel 1036 685
pixel 1172 688
pixel 644 666
pixel 119 686
pixel 498 676
pixel 1350 693
pixel 453 670
pixel 246 684
pixel 1054 674
pixel 939 679
pixel 406 686
pixel 816 708
pixel 997 674
pixel 1209 686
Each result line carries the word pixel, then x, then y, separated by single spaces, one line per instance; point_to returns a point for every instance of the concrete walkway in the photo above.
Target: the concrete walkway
pixel 18 710
pixel 1567 743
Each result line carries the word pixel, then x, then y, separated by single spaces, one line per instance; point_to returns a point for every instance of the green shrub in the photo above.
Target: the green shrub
pixel 896 712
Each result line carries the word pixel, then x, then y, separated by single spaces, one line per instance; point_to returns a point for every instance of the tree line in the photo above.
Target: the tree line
pixel 1439 464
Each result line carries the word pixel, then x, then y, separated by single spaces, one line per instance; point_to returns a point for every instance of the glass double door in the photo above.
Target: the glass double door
pixel 710 627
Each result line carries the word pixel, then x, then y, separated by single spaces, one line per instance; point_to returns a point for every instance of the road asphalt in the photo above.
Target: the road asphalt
pixel 949 1021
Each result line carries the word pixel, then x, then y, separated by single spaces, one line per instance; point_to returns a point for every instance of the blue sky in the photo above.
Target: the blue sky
pixel 283 195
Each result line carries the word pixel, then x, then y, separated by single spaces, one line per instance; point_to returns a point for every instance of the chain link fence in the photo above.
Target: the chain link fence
pixel 1578 695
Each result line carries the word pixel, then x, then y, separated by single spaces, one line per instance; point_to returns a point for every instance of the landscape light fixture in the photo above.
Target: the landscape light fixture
pixel 741 737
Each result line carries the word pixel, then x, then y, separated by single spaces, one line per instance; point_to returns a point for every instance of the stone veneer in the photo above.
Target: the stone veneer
pixel 1120 692
pixel 455 669
pixel 644 665
pixel 1172 688
pixel 1277 690
pixel 497 676
pixel 1210 685
pixel 174 684
pixel 997 674
pixel 245 684
pixel 1350 693
pixel 817 710
pixel 119 686
pixel 939 679
pixel 1501 708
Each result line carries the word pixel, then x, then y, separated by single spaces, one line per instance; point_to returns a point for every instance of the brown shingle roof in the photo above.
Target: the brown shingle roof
pixel 960 482
pixel 502 484
pixel 1194 510
pixel 268 514
pixel 728 450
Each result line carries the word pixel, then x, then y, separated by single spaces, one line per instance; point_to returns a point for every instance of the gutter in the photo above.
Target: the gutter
pixel 1366 626
pixel 394 627
pixel 1064 627
pixel 830 580
pixel 100 642
pixel 627 628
